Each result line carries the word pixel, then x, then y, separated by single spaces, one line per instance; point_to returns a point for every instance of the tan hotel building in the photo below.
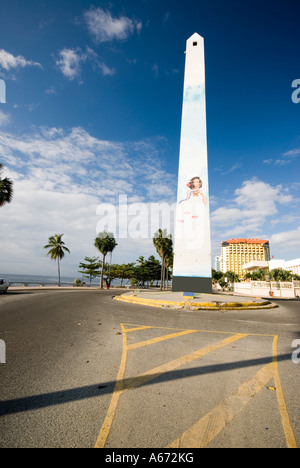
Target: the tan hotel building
pixel 237 252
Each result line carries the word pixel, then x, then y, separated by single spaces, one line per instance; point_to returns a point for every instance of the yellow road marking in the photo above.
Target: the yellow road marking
pixel 115 397
pixel 205 430
pixel 121 387
pixel 136 329
pixel 172 365
pixel 286 423
pixel 198 330
pixel 160 338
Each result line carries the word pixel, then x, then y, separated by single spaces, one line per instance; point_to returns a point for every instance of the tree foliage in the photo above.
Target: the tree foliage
pixel 6 189
pixel 122 272
pixel 90 268
pixel 224 278
pixel 277 274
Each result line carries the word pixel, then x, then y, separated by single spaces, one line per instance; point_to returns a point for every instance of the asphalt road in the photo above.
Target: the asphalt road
pixel 184 379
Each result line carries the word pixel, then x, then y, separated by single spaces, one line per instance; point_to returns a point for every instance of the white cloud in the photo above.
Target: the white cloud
pixel 105 70
pixel 51 90
pixel 251 212
pixel 60 177
pixel 70 61
pixel 286 158
pixel 282 162
pixel 104 27
pixel 4 118
pixel 257 196
pixel 38 212
pixel 236 166
pixel 256 209
pixel 292 153
pixel 71 161
pixel 287 239
pixel 9 61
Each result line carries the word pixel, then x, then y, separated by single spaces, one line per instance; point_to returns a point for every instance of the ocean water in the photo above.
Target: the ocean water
pixel 34 280
pixel 15 278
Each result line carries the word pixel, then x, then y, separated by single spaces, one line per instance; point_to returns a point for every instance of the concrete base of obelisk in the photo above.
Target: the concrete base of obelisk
pixel 189 284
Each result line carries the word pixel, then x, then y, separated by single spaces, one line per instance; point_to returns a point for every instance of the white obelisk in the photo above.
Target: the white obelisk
pixel 192 249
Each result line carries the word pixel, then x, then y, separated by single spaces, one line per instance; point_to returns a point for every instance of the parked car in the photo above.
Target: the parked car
pixel 3 286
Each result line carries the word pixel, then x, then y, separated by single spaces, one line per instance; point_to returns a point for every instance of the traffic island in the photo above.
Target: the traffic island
pixel 172 300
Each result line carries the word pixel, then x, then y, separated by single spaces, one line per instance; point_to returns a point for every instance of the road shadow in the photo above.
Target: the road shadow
pixel 281 299
pixel 35 402
pixel 15 293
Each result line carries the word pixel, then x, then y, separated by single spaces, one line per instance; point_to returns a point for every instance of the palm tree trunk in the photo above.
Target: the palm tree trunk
pixel 58 268
pixel 167 276
pixel 163 274
pixel 102 271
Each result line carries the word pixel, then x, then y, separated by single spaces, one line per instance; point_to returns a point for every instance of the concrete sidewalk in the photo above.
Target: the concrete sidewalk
pixel 177 300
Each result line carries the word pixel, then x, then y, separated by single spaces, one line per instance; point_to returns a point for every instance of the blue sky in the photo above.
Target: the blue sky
pixel 94 99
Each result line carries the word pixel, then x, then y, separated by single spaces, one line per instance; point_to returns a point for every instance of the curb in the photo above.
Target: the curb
pixel 188 305
pixel 148 302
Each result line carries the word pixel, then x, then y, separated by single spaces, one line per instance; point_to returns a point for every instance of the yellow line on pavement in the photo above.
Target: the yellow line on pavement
pixel 198 330
pixel 205 430
pixel 160 338
pixel 136 329
pixel 172 365
pixel 122 386
pixel 286 423
pixel 115 398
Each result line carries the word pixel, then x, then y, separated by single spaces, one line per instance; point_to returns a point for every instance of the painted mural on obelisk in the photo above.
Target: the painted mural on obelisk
pixel 192 259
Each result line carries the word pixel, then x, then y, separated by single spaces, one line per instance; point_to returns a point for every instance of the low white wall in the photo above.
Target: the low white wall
pixel 297 288
pixel 271 289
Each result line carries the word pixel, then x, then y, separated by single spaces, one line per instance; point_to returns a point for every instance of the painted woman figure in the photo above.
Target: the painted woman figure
pixel 191 213
pixel 195 186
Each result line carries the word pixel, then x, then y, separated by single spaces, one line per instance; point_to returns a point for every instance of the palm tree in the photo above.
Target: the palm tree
pixel 280 275
pixel 57 250
pixel 169 261
pixel 105 243
pixel 6 189
pixel 232 277
pixel 164 247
